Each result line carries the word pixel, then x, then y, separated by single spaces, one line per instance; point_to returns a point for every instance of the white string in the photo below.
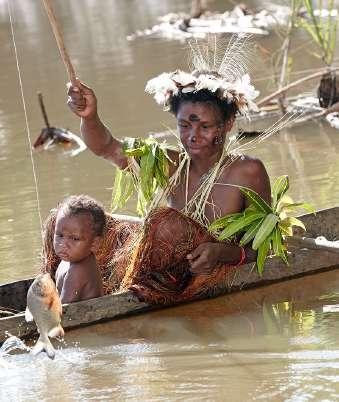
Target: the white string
pixel 26 119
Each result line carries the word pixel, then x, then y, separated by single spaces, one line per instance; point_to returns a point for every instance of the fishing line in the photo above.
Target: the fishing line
pixel 26 119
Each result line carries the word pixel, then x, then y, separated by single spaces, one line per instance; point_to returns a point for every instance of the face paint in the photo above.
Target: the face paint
pixel 193 117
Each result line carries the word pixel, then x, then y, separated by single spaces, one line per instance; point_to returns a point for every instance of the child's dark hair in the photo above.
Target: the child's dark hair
pixel 83 204
pixel 227 109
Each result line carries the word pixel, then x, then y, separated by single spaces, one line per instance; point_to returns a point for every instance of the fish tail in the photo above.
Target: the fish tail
pixel 44 345
pixel 56 331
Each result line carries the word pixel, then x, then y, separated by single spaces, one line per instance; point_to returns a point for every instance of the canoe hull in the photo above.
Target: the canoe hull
pixel 301 262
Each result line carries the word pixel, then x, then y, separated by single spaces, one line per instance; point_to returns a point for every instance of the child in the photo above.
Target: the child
pixel 79 225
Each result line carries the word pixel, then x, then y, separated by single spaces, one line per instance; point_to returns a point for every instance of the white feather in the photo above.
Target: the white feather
pixel 209 82
pixel 223 67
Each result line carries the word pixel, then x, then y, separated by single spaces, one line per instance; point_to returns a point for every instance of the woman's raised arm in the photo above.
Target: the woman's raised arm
pixel 83 102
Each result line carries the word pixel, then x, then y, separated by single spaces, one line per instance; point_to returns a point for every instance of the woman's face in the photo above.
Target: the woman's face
pixel 202 130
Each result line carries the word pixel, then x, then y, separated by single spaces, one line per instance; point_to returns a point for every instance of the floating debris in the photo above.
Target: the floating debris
pixel 239 20
pixel 51 136
pixel 333 119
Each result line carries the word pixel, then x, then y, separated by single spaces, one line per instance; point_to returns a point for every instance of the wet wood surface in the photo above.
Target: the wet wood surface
pixel 301 262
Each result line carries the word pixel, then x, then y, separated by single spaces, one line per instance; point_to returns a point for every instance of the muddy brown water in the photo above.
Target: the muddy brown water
pixel 279 343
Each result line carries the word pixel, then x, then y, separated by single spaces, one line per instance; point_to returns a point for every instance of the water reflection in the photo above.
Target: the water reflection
pixel 270 344
pixel 210 350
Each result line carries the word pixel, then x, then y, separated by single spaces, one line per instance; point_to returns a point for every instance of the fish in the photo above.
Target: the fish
pixel 44 307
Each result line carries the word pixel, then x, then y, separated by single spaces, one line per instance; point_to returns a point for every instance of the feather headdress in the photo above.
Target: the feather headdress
pixel 221 69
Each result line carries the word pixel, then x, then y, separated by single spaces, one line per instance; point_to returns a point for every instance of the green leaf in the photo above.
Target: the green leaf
pixel 239 224
pixel 122 189
pixel 222 222
pixel 129 143
pixel 254 198
pixel 285 228
pixel 291 221
pixel 147 174
pixel 279 188
pixel 141 204
pixel 284 200
pixel 265 230
pixel 298 205
pixel 161 168
pixel 262 254
pixel 127 189
pixel 250 233
pixel 277 244
pixel 284 257
pixel 133 147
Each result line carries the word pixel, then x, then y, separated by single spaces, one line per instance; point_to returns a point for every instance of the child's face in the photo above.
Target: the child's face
pixel 74 237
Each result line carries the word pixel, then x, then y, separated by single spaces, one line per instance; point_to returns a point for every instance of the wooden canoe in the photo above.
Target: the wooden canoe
pixel 301 262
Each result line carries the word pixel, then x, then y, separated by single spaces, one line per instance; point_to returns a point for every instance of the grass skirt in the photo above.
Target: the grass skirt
pixel 149 259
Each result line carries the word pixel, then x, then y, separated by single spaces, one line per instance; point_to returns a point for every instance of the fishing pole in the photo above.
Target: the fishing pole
pixel 60 41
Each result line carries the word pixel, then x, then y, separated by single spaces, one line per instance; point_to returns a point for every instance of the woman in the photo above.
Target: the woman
pixel 177 258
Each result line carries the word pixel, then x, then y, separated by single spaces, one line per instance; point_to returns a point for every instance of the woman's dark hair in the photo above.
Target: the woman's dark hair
pixel 83 204
pixel 227 110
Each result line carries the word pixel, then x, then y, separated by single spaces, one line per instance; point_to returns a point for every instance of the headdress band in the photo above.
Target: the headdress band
pixel 240 92
pixel 218 68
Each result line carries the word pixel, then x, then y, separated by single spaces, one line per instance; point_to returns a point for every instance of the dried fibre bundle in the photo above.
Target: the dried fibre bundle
pixel 159 270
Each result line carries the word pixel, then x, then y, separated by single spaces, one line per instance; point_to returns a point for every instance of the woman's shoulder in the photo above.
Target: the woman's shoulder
pixel 250 172
pixel 246 165
pixel 250 164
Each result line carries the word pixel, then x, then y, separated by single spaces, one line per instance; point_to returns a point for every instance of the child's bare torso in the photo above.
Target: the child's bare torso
pixel 77 281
